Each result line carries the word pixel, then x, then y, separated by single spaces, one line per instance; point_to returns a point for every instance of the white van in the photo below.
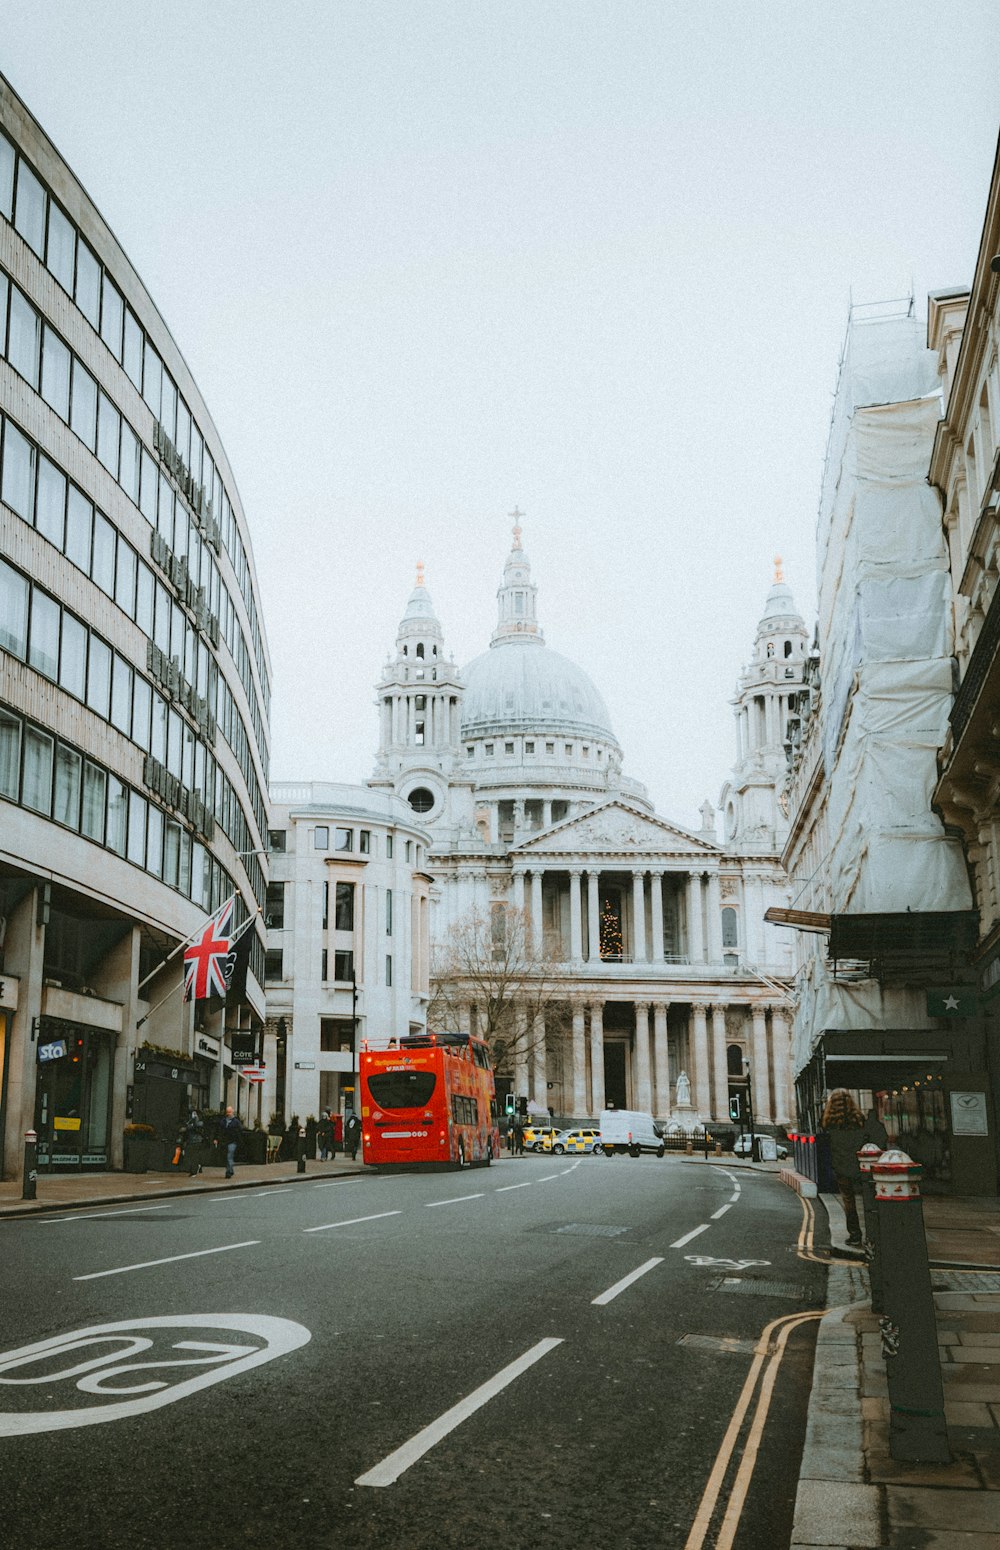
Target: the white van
pixel 631 1131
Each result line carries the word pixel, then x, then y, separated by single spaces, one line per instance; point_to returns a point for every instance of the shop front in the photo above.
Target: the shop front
pixel 73 1094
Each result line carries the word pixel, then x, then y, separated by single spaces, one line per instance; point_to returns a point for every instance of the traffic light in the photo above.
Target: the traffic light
pixel 508 1104
pixel 734 1106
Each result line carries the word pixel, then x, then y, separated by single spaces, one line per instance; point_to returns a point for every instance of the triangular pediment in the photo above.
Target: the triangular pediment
pixel 615 828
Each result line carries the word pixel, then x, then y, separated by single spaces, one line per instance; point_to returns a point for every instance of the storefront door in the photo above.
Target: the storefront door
pixel 73 1098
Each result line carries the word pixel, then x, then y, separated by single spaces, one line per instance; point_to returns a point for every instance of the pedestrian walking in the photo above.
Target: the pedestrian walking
pixel 324 1135
pixel 844 1126
pixel 194 1141
pixel 352 1135
pixel 231 1130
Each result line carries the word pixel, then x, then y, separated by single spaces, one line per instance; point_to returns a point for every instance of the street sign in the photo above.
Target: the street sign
pixel 253 1073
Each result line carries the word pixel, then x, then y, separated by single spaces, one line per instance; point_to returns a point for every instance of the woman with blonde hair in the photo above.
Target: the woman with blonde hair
pixel 844 1127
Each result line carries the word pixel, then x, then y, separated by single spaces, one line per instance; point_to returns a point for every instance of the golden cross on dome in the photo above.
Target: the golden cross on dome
pixel 420 573
pixel 517 515
pixel 779 574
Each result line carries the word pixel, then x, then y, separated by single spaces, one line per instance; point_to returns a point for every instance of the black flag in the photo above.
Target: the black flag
pixel 236 965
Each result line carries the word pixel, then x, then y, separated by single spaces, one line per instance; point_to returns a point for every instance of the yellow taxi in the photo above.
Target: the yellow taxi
pixel 560 1141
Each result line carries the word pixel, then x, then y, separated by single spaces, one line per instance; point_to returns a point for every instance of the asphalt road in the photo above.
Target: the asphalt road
pixel 299 1388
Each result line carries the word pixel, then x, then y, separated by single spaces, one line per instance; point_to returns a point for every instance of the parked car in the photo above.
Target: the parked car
pixel 534 1136
pixel 572 1141
pixel 743 1145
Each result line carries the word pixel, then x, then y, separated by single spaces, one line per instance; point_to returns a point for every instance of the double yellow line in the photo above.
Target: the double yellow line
pixel 804 1246
pixel 770 1353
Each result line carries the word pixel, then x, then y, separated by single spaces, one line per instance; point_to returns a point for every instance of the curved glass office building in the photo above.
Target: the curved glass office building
pixel 134 691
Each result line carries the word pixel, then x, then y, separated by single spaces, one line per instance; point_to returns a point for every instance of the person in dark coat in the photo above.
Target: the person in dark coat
pixel 290 1143
pixel 230 1131
pixel 844 1126
pixel 194 1141
pixel 324 1136
pixel 352 1135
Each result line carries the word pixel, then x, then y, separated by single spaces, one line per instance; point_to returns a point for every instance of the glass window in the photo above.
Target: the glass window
pixel 43 636
pixel 29 212
pixel 129 475
pixel 55 373
pixel 144 599
pixel 388 968
pixel 165 511
pixel 121 695
pixel 171 851
pixel 168 404
pixel 276 841
pixel 24 339
pixel 88 283
pixel 174 743
pixel 37 790
pixel 365 838
pixel 13 611
pixel 132 352
pixel 158 734
pixel 4 293
pixel 6 177
pixel 402 1089
pixel 730 936
pixel 388 912
pixel 50 504
pixel 136 846
pixel 117 815
pixel 275 907
pixel 112 313
pixel 18 472
pixel 142 696
pixel 99 676
pixel 321 837
pixel 69 768
pixel 94 795
pixel 73 656
pixel 343 966
pixel 388 847
pixel 148 485
pixel 274 964
pixel 343 839
pixel 79 528
pixel 343 918
pixel 103 565
pixel 60 253
pixel 152 379
pixel 83 408
pixel 154 844
pixel 109 424
pixel 10 742
pixel 182 441
pixel 125 577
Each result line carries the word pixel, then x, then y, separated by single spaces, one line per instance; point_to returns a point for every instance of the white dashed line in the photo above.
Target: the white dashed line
pixel 456 1200
pixel 147 1264
pixel 619 1286
pixel 504 1187
pixel 722 1211
pixel 53 1221
pixel 689 1235
pixel 352 1221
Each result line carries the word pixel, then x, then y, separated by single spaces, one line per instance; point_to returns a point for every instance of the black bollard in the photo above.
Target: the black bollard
pixel 868 1155
pixel 301 1155
pixel 30 1184
pixel 917 1430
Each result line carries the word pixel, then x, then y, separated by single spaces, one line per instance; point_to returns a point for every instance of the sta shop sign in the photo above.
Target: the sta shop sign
pixel 53 1051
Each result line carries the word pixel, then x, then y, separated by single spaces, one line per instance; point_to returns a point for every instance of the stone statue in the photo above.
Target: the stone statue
pixel 683 1091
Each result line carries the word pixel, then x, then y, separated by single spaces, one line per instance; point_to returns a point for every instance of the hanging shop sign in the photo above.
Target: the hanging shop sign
pixel 54 1051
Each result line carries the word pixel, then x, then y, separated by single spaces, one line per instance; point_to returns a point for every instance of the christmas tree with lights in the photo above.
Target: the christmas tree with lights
pixel 611 934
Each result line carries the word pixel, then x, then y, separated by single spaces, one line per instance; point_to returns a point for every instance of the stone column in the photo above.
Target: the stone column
pixel 521 1054
pixel 536 910
pixel 597 1055
pixel 784 1106
pixel 541 1073
pixel 761 1072
pixel 546 814
pixel 720 1071
pixel 700 1088
pixel 639 917
pixel 575 942
pixel 696 945
pixel 593 916
pixel 580 1110
pixel 656 900
pixel 661 1060
pixel 714 911
pixel 643 1084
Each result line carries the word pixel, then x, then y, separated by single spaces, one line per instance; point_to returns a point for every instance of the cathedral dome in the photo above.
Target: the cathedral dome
pixel 520 685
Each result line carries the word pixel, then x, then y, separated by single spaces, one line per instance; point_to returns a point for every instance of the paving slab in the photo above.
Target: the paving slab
pixel 834 1513
pixel 923 1507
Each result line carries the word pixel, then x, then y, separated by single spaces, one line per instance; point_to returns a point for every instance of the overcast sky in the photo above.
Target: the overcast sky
pixel 429 260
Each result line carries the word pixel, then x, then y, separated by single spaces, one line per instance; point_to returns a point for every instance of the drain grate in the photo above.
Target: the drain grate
pixel 965 1280
pixel 726 1345
pixel 758 1286
pixel 591 1230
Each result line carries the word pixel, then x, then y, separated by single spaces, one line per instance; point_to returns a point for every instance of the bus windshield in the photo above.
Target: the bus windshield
pixel 402 1089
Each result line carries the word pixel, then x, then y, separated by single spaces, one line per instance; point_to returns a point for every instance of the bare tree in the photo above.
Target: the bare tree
pixel 490 961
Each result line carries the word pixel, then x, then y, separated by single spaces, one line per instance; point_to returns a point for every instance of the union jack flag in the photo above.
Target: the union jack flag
pixel 205 955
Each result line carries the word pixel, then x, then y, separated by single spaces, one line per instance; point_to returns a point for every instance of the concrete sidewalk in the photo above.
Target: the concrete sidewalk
pixel 852 1494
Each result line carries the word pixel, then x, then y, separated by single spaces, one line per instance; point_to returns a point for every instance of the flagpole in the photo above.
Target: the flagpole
pixel 179 948
pixel 251 921
pixel 172 992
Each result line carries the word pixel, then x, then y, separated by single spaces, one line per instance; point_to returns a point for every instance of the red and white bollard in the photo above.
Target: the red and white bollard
pixel 30 1183
pixel 868 1155
pixel 917 1429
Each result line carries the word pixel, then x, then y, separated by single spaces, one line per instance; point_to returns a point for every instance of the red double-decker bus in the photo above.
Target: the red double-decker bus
pixel 428 1098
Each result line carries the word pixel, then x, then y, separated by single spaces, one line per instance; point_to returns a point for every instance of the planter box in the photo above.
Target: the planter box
pixel 139 1153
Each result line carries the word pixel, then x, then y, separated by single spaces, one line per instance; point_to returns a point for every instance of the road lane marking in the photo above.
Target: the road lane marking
pixel 456 1200
pixel 260 1193
pixel 53 1221
pixel 504 1187
pixel 146 1264
pixel 713 1488
pixel 689 1235
pixel 352 1221
pixel 721 1211
pixel 619 1286
pixel 546 1176
pixel 734 1197
pixel 397 1463
pixel 336 1183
